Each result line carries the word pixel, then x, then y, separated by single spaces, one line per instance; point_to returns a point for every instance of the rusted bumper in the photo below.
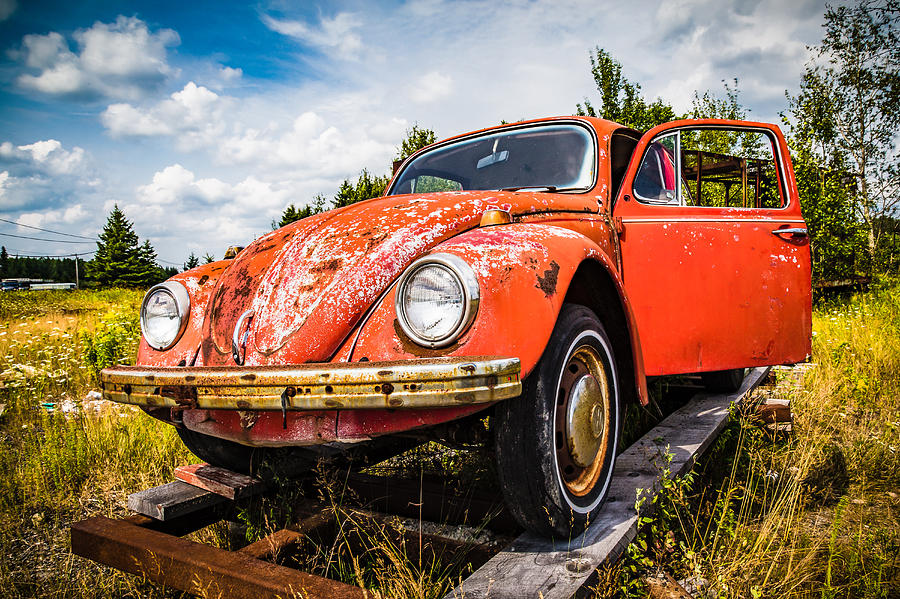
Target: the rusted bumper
pixel 414 384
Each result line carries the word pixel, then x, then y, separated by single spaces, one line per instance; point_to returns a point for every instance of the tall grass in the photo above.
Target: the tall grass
pixel 66 456
pixel 812 514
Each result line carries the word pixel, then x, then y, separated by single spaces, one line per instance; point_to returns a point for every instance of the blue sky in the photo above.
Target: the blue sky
pixel 204 120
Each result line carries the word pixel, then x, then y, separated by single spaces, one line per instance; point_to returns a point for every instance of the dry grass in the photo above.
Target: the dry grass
pixel 813 514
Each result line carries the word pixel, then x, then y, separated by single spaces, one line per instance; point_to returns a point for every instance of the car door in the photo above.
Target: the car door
pixel 715 253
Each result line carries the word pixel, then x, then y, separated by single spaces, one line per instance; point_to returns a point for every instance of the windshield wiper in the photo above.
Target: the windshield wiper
pixel 542 188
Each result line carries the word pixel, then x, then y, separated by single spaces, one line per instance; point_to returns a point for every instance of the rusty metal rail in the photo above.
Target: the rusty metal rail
pixel 508 566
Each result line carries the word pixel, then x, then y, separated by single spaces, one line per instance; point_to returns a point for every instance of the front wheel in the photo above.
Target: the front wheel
pixel 265 462
pixel 556 444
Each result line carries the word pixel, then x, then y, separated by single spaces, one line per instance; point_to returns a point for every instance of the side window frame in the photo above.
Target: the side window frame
pixel 682 185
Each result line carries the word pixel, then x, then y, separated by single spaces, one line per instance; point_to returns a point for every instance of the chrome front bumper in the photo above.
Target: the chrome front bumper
pixel 410 384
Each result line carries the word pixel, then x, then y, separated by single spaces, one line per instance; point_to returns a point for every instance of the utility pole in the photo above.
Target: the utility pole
pixel 76 272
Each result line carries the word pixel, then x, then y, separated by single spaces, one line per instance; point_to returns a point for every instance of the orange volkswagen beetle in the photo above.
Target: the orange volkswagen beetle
pixel 536 273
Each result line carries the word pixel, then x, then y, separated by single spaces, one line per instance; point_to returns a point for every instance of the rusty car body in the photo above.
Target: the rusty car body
pixel 536 273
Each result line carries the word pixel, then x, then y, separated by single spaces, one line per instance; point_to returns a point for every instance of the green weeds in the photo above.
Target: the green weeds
pixel 812 514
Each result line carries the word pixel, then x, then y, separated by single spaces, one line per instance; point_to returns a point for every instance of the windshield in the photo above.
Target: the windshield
pixel 556 157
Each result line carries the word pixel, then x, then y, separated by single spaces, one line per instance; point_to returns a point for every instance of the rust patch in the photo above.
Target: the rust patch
pixel 248 418
pixel 409 346
pixel 203 279
pixel 329 266
pixel 547 283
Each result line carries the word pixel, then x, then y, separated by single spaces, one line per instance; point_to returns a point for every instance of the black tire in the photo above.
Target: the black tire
pixel 221 452
pixel 569 410
pixel 723 381
pixel 266 462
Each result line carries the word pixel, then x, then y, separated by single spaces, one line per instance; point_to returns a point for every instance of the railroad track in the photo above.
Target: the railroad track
pixel 510 564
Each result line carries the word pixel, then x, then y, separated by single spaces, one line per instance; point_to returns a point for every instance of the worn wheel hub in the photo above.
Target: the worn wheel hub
pixel 582 420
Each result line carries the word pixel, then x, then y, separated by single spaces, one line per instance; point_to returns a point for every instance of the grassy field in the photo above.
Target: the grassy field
pixel 812 514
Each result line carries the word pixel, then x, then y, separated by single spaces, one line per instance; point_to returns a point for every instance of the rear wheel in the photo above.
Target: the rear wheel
pixel 723 381
pixel 556 444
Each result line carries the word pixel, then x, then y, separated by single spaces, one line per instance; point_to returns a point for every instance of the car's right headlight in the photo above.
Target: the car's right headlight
pixel 164 314
pixel 437 299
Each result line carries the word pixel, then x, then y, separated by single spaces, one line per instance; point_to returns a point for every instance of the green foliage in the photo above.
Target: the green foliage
pixel 60 270
pixel 365 187
pixel 848 113
pixel 837 236
pixel 292 213
pixel 113 342
pixel 192 262
pixel 120 260
pixel 621 100
pixel 416 139
pixel 208 258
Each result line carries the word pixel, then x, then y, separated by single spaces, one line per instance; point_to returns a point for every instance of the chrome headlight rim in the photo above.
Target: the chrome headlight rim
pixel 182 299
pixel 468 282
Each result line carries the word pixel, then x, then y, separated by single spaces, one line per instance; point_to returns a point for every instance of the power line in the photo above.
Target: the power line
pixel 169 263
pixel 17 254
pixel 42 239
pixel 12 222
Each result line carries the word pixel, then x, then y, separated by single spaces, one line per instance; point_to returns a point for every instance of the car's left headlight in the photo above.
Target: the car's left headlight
pixel 164 314
pixel 437 299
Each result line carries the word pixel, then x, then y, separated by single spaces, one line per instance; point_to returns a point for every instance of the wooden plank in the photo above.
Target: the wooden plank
pixel 172 500
pixel 274 545
pixel 665 587
pixel 197 568
pixel 228 484
pixel 775 411
pixel 533 566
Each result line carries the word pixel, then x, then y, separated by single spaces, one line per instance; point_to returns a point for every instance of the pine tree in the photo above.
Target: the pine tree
pixel 4 263
pixel 120 260
pixel 192 262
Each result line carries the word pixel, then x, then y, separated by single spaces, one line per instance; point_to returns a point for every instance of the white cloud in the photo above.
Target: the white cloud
pixel 194 115
pixel 123 59
pixel 219 212
pixel 238 132
pixel 430 87
pixel 331 34
pixel 44 173
pixel 7 8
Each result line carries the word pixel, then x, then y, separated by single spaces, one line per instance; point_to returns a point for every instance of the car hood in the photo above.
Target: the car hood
pixel 309 283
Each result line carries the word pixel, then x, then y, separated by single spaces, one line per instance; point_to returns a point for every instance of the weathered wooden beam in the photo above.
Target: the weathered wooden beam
pixel 197 568
pixel 665 587
pixel 172 500
pixel 228 484
pixel 775 411
pixel 272 546
pixel 533 566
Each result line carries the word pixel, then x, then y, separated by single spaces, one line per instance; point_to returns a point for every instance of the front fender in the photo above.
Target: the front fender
pixel 524 272
pixel 199 282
